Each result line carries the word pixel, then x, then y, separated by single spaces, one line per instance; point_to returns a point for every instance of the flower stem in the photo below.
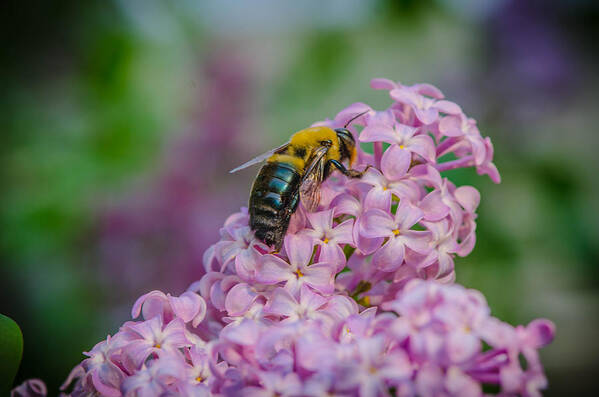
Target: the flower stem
pixel 467 161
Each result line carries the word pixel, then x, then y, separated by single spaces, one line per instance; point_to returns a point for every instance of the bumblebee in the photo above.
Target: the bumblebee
pixel 294 171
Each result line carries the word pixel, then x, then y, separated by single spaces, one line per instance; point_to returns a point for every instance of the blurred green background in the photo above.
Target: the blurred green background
pixel 121 119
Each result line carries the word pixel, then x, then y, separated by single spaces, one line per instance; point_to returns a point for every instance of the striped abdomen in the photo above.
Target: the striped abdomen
pixel 274 197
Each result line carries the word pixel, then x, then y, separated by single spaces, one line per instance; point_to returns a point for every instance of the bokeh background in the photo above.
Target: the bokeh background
pixel 120 120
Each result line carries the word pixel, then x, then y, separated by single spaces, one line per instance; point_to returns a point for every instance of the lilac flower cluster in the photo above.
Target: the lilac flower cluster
pixel 358 302
pixel 401 220
pixel 432 340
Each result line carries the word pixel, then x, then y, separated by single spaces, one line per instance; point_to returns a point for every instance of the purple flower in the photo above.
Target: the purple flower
pixel 329 237
pixel 384 128
pixel 311 305
pixel 376 369
pixel 347 204
pixel 393 180
pixel 240 298
pixel 378 223
pixel 155 379
pixel 153 337
pixel 274 384
pixel 425 109
pixel 298 271
pixel 30 388
pixel 190 307
pixel 444 246
pixel 465 128
pixel 103 373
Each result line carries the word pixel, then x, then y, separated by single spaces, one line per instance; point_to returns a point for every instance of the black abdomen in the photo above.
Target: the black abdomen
pixel 274 197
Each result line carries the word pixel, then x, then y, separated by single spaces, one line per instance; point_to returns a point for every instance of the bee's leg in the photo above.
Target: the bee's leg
pixel 345 171
pixel 294 202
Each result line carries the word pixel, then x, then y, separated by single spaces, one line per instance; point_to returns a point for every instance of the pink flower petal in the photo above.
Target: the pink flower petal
pixel 451 126
pixel 239 299
pixel 378 197
pixel 407 215
pixel 468 197
pixel 364 244
pixel 273 270
pixel 448 107
pixel 395 162
pixel 428 174
pixel 376 223
pixel 281 303
pixel 320 277
pixel 332 253
pixel 321 221
pixel 539 333
pixel 427 89
pixel 310 299
pixel 390 256
pixel 379 133
pixel 433 207
pixel 424 146
pixel 189 306
pixel 298 248
pixel 342 233
pixel 417 240
pixel 426 116
pixel 152 303
pixel 352 111
pixel 382 84
pixel 346 204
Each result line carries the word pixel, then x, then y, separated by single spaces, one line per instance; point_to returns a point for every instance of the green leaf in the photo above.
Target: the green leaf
pixel 11 350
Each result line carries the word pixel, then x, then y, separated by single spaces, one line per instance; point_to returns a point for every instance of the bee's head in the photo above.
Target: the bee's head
pixel 347 145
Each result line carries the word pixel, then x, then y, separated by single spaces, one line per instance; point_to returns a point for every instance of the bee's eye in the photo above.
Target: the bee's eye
pixel 343 133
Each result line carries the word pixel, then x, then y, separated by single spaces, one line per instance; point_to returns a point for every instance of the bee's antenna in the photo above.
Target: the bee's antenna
pixel 355 117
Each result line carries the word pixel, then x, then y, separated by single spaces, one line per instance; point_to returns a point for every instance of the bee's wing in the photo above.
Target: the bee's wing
pixel 261 158
pixel 313 177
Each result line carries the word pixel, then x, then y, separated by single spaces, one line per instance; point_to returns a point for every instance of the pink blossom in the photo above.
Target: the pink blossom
pixel 384 128
pixel 393 180
pixel 153 337
pixel 156 378
pixel 30 388
pixel 310 305
pixel 329 237
pixel 376 370
pixel 298 271
pixel 378 223
pixel 425 109
pixel 444 246
pixel 103 373
pixel 348 204
pixel 190 307
pixel 465 128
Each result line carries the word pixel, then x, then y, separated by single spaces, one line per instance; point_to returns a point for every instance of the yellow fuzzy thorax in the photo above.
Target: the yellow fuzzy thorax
pixel 303 142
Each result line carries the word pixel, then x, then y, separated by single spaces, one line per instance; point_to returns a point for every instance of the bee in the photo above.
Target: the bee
pixel 294 171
